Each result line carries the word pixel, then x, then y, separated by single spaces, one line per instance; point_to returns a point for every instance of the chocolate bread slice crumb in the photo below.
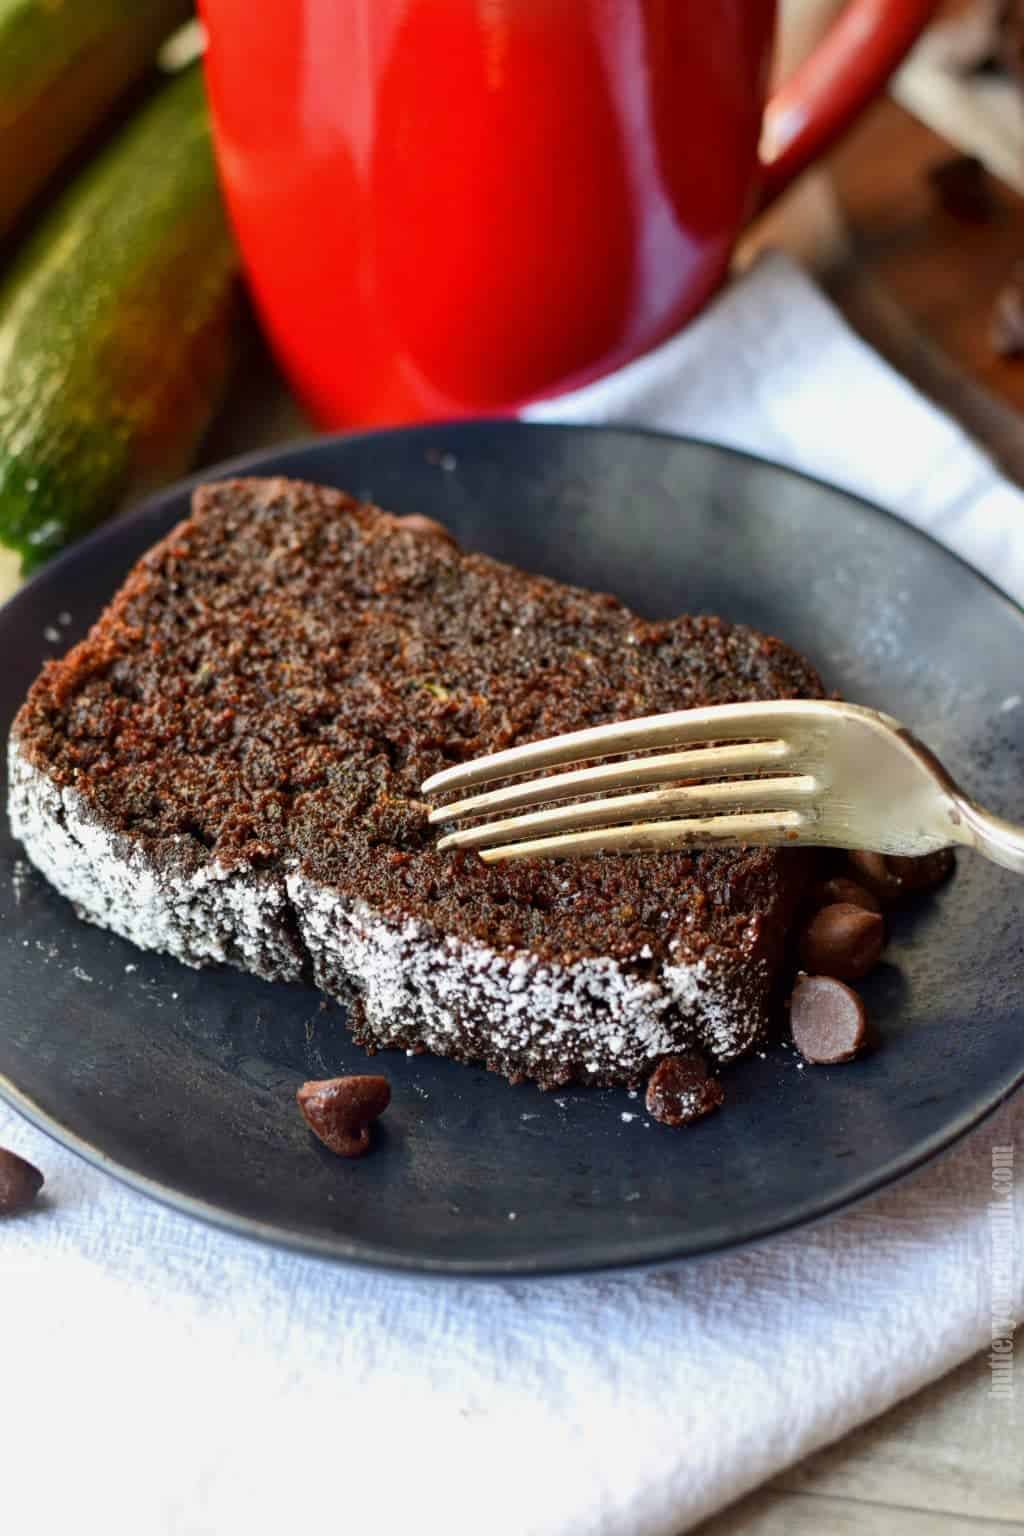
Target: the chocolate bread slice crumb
pixel 227 769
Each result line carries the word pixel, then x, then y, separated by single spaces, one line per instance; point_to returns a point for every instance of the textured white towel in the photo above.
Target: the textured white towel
pixel 157 1377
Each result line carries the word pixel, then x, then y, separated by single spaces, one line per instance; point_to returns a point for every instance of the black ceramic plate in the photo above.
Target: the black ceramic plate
pixel 183 1082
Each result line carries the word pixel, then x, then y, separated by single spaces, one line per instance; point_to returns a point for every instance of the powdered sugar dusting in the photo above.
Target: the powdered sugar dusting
pixel 209 915
pixel 605 1020
pixel 19 876
pixel 599 1018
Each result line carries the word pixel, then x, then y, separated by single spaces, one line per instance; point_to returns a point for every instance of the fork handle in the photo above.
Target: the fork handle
pixel 1000 841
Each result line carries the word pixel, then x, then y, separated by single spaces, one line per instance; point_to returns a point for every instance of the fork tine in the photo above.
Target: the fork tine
pixel 771 795
pixel 767 828
pixel 693 763
pixel 720 722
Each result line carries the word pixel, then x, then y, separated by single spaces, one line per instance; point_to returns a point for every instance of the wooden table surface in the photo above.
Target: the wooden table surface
pixel 920 284
pixel 916 282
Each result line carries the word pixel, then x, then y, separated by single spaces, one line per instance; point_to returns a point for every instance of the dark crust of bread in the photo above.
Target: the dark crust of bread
pixel 240 742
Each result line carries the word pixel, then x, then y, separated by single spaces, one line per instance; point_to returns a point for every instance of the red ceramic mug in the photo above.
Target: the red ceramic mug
pixel 451 207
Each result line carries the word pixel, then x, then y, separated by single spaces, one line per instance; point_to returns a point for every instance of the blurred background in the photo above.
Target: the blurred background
pixel 128 351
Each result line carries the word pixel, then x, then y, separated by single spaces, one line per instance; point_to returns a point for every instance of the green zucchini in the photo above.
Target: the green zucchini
pixel 63 63
pixel 118 325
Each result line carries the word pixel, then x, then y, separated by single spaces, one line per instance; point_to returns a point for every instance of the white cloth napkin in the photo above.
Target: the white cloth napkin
pixel 160 1377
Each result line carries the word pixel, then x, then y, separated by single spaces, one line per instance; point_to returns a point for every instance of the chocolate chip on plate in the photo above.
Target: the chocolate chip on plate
pixel 924 872
pixel 894 878
pixel 842 940
pixel 839 888
pixel 827 1020
pixel 340 1110
pixel 872 869
pixel 20 1182
pixel 682 1089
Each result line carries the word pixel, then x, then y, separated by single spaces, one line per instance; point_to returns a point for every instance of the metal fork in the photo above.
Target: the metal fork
pixel 788 771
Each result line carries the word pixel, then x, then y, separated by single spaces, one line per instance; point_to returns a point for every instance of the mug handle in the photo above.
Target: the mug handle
pixel 819 101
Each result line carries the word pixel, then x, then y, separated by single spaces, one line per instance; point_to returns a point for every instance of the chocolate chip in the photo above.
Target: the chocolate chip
pixel 1006 330
pixel 842 940
pixel 894 878
pixel 20 1182
pixel 682 1089
pixel 839 888
pixel 827 1020
pixel 981 50
pixel 984 65
pixel 963 188
pixel 873 870
pixel 924 872
pixel 340 1110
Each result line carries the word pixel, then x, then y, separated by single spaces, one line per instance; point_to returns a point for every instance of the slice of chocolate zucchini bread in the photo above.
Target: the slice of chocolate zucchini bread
pixel 228 769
